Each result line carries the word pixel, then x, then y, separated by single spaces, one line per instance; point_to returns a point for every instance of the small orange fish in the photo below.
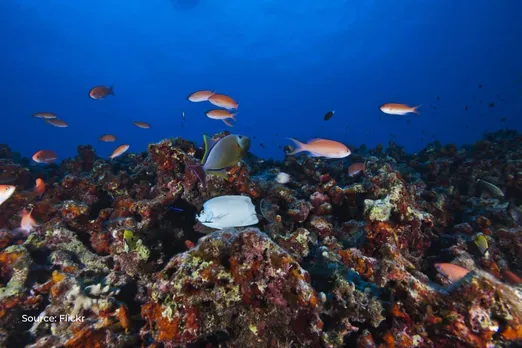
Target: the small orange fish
pixel 223 115
pixel 511 277
pixel 45 115
pixel 119 151
pixel 101 92
pixel 321 148
pixel 399 109
pixel 189 244
pixel 39 187
pixel 28 224
pixel 356 168
pixel 223 101
pixel 57 123
pixel 141 124
pixel 6 191
pixel 453 272
pixel 44 156
pixel 108 138
pixel 200 96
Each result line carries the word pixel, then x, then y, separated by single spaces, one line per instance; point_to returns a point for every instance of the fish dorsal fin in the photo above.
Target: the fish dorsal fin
pixel 209 144
pixel 314 140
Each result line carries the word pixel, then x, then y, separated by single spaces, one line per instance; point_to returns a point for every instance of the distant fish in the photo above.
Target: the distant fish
pixel 57 123
pixel 200 96
pixel 283 178
pixel 27 224
pixel 491 105
pixel 108 138
pixel 221 154
pixel 176 209
pixel 399 109
pixel 39 187
pixel 45 115
pixel 482 244
pixel 223 101
pixel 183 115
pixel 141 125
pixel 44 156
pixel 490 188
pixel 101 92
pixel 223 115
pixel 328 115
pixel 453 272
pixel 189 244
pixel 120 150
pixel 321 148
pixel 511 277
pixel 6 191
pixel 130 241
pixel 356 168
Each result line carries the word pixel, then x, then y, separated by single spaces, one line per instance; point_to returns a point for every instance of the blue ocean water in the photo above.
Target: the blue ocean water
pixel 286 63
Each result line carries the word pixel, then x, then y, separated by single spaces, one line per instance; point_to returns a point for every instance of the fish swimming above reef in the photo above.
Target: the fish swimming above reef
pixel 6 191
pixel 221 154
pixel 482 244
pixel 399 109
pixel 490 188
pixel 101 92
pixel 453 272
pixel 228 211
pixel 321 148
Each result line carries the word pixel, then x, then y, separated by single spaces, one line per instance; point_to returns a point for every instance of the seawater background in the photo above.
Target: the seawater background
pixel 285 62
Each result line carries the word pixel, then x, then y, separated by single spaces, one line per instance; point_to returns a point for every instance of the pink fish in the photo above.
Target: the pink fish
pixel 453 272
pixel 200 96
pixel 322 148
pixel 399 109
pixel 356 168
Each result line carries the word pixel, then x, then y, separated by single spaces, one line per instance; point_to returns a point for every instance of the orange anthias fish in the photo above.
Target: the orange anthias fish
pixel 45 115
pixel 28 224
pixel 200 96
pixel 221 114
pixel 6 191
pixel 108 138
pixel 101 92
pixel 223 101
pixel 453 272
pixel 44 156
pixel 321 148
pixel 399 109
pixel 511 277
pixel 57 123
pixel 356 168
pixel 39 187
pixel 120 150
pixel 141 124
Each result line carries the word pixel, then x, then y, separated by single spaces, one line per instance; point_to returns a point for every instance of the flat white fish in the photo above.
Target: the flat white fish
pixel 228 211
pixel 282 178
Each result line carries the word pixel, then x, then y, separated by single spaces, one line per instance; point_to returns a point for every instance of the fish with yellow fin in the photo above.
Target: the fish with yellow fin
pixel 482 244
pixel 220 155
pixel 130 240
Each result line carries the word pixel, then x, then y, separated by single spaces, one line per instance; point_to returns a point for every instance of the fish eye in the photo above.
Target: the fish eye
pixel 240 137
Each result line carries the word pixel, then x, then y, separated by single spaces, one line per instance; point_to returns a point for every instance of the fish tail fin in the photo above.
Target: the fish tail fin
pixel 299 147
pixel 414 109
pixel 111 90
pixel 198 170
pixel 227 122
pixel 233 116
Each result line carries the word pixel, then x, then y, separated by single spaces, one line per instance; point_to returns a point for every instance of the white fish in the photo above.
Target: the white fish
pixel 228 211
pixel 282 178
pixel 6 191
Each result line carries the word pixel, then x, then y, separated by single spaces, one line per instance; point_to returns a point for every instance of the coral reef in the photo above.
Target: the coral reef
pixel 117 257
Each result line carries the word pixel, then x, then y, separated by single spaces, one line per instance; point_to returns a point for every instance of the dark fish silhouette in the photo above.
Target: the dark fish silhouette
pixel 328 115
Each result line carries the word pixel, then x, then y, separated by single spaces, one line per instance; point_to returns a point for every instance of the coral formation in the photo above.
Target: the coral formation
pixel 117 257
